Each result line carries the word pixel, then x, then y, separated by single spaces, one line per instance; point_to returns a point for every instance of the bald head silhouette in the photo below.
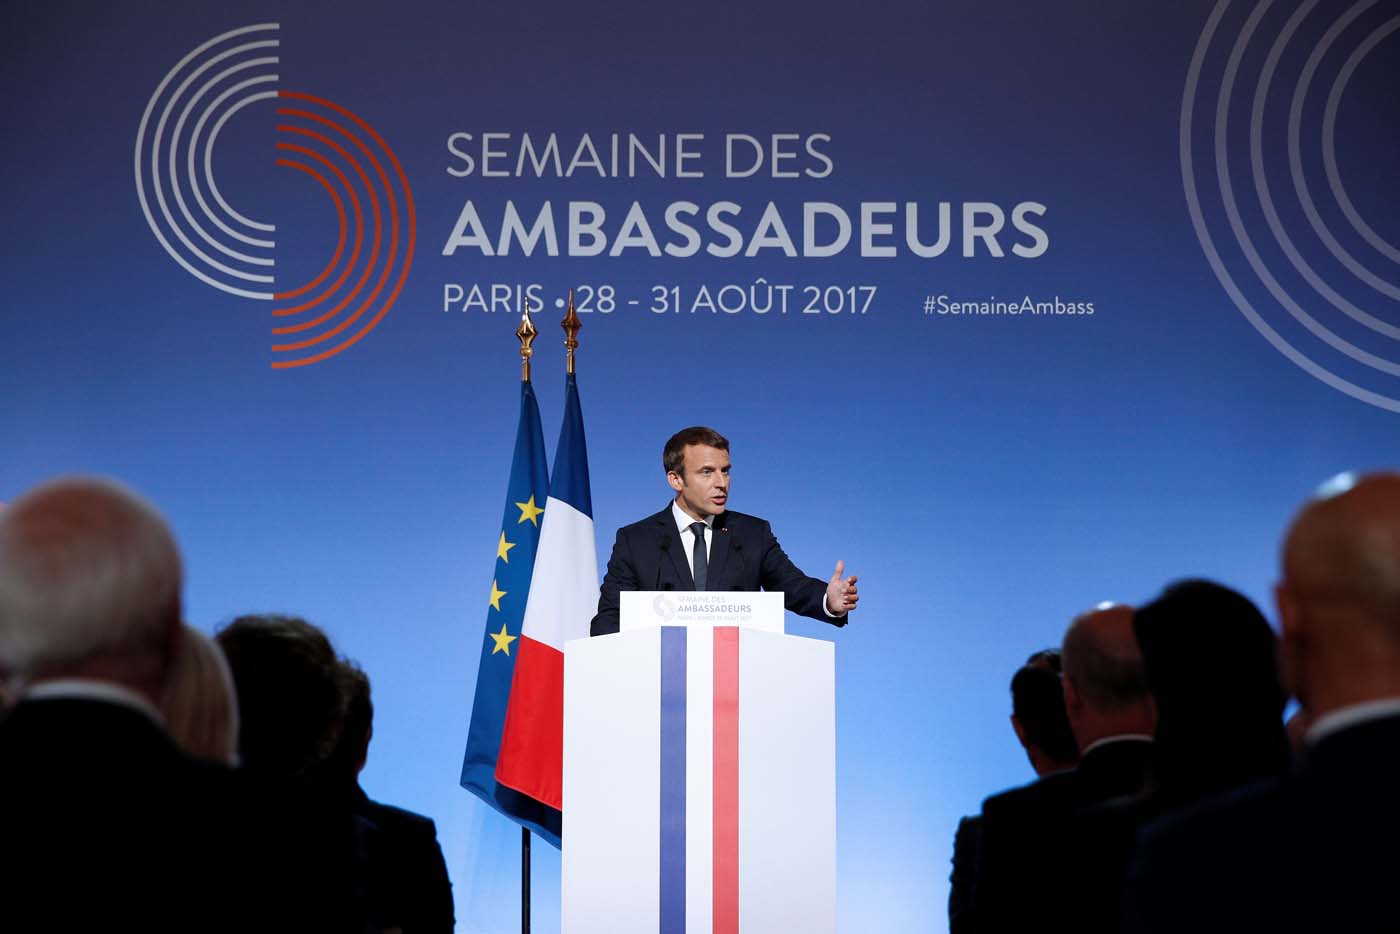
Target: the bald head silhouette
pixel 1339 600
pixel 1105 689
pixel 90 582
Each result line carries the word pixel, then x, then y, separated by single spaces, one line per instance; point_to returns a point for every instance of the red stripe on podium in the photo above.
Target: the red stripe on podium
pixel 726 781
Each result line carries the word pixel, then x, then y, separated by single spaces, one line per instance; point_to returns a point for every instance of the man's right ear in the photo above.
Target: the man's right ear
pixel 1290 615
pixel 675 480
pixel 1072 698
pixel 1290 620
pixel 1020 730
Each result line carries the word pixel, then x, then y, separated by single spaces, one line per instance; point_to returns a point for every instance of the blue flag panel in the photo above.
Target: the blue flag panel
pixel 571 457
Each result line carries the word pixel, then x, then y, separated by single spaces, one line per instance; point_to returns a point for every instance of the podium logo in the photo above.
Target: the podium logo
pixel 664 607
pixel 1259 116
pixel 327 144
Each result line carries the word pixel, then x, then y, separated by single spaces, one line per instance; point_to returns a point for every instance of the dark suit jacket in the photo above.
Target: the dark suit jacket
pixel 1312 851
pixel 1054 852
pixel 107 826
pixel 744 555
pixel 407 884
pixel 962 883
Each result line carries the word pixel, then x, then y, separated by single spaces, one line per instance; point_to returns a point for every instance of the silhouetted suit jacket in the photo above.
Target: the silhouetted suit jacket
pixel 1312 851
pixel 106 825
pixel 962 883
pixel 1054 852
pixel 744 555
pixel 408 884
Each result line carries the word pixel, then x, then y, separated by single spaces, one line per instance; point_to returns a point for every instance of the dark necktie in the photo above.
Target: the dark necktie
pixel 700 571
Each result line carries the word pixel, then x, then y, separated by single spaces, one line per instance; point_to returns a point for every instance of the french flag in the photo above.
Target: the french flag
pixel 562 600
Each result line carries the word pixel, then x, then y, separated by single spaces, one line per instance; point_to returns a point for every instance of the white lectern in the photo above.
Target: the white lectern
pixel 699 771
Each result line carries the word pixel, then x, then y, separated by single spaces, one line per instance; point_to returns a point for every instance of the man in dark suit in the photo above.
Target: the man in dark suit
pixel 291 707
pixel 1053 853
pixel 695 543
pixel 1038 718
pixel 1314 850
pixel 105 824
pixel 400 862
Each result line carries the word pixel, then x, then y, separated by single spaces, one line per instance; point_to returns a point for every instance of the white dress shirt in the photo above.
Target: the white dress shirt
pixel 683 524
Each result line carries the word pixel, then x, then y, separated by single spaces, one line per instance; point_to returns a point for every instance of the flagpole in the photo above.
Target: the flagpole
pixel 524 880
pixel 526 333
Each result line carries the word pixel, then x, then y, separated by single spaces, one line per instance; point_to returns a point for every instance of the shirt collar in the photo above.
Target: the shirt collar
pixel 106 692
pixel 1354 715
pixel 684 522
pixel 1116 738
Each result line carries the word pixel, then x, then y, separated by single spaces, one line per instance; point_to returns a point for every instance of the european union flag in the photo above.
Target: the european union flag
pixel 510 585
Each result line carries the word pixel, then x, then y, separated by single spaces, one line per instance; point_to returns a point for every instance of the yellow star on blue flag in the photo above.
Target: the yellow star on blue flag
pixel 503 639
pixel 528 510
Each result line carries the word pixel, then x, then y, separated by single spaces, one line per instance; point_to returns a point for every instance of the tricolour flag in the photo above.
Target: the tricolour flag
pixel 563 598
pixel 516 551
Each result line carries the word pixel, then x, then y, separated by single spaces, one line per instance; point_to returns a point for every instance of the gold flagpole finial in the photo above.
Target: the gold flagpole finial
pixel 571 325
pixel 527 334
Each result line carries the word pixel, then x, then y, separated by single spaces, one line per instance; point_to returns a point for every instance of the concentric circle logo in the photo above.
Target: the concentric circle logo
pixel 331 147
pixel 1315 276
pixel 663 606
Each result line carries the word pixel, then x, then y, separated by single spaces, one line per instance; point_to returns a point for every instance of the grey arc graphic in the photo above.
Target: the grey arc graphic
pixel 1382 364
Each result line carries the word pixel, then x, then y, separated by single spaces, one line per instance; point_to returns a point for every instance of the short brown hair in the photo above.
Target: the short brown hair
pixel 673 456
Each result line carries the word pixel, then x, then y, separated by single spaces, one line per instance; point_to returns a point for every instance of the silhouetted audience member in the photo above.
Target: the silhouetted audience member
pixel 1042 728
pixel 290 707
pixel 962 882
pixel 1312 851
pixel 406 877
pixel 287 678
pixel 1050 860
pixel 104 823
pixel 1038 714
pixel 198 703
pixel 1212 666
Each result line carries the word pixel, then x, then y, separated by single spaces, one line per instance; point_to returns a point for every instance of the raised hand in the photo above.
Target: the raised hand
pixel 841 594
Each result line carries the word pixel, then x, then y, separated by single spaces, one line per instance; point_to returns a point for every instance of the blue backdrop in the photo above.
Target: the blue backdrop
pixel 1198 175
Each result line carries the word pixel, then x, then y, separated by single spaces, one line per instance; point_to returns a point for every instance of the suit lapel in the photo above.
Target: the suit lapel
pixel 668 532
pixel 720 538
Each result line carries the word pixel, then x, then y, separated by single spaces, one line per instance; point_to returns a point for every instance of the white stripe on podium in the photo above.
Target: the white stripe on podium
pixel 699 780
pixel 787 785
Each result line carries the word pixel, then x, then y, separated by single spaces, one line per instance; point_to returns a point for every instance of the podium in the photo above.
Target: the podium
pixel 699 771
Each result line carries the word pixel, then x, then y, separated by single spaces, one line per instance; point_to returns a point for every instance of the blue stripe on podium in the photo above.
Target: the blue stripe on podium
pixel 673 665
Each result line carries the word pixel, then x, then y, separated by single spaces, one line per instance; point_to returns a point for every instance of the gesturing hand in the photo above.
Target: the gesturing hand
pixel 841 593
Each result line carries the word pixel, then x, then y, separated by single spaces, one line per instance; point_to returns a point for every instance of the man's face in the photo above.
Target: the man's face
pixel 704 487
